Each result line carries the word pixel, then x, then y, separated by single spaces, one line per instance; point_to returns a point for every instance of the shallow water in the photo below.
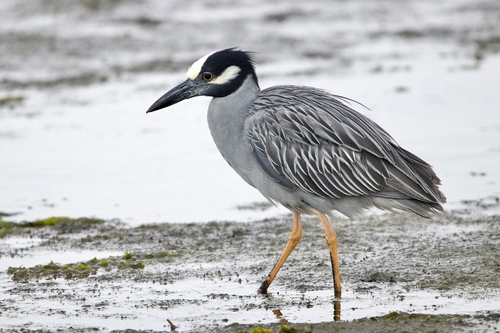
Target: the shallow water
pixel 79 144
pixel 210 276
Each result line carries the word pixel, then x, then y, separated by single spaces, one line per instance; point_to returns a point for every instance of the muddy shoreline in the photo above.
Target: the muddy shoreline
pixel 386 256
pixel 77 78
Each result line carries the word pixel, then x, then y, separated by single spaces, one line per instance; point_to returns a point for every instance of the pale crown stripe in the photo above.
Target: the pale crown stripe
pixel 195 69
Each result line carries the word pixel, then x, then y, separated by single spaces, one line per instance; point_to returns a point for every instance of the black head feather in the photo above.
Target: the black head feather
pixel 219 61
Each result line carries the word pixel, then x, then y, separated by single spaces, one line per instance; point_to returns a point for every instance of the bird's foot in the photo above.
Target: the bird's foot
pixel 263 287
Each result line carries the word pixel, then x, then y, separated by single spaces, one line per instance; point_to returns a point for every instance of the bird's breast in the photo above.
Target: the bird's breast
pixel 226 121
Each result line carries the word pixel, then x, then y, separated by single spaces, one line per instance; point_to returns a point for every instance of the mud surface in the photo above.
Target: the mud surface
pixel 76 79
pixel 417 275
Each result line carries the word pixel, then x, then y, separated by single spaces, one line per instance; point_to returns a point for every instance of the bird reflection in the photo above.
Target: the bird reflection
pixel 336 310
pixel 336 313
pixel 279 315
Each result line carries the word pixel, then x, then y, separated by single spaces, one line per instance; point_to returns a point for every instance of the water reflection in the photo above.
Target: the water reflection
pixel 336 310
pixel 279 315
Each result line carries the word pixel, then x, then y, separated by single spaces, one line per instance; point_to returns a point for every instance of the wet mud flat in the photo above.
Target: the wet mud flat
pixel 400 273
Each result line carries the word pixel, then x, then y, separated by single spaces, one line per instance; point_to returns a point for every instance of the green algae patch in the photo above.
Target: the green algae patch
pixel 52 271
pixel 82 270
pixel 143 256
pixel 5 228
pixel 287 329
pixel 67 223
pixel 55 220
pixel 50 221
pixel 11 101
pixel 261 330
pixel 392 315
pixel 103 262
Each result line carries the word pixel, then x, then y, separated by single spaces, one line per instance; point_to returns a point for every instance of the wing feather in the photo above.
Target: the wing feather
pixel 307 138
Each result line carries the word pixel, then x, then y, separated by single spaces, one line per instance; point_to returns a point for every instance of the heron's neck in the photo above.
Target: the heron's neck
pixel 226 117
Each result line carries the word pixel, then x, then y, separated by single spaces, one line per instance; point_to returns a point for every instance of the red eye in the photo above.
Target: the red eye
pixel 207 77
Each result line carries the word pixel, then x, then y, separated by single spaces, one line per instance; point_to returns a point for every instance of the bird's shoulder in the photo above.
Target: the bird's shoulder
pixel 313 116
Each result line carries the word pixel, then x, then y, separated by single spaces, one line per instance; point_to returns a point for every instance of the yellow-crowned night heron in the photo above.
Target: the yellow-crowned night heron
pixel 305 148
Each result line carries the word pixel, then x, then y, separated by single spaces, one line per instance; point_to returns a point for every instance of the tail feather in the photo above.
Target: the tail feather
pixel 426 173
pixel 424 209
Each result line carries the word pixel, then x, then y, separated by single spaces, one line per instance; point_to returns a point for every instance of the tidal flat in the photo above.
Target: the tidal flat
pixel 399 272
pixel 117 221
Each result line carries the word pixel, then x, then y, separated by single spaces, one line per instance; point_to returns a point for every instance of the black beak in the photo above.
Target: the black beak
pixel 185 90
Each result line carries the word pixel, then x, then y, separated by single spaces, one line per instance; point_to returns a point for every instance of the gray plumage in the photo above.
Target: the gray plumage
pixel 313 147
pixel 304 147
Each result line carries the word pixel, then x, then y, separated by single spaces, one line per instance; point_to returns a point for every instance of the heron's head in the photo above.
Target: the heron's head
pixel 217 74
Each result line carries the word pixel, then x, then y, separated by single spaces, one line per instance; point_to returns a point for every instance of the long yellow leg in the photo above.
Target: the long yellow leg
pixel 293 240
pixel 331 240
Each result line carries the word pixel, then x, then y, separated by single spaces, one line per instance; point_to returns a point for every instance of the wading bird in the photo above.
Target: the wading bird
pixel 305 148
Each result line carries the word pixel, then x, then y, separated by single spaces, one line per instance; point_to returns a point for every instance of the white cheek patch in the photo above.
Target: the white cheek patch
pixel 195 69
pixel 229 74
